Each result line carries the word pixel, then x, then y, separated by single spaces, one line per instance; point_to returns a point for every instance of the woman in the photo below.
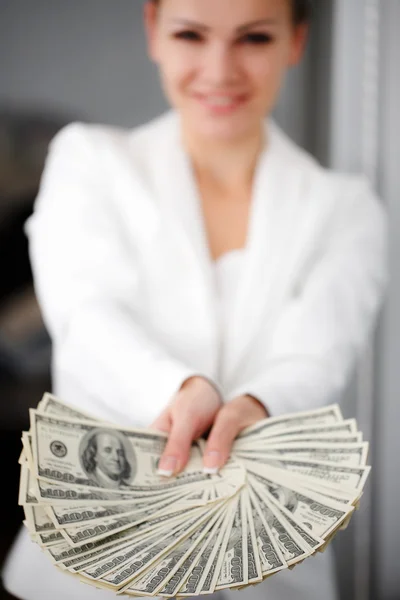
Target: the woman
pixel 202 271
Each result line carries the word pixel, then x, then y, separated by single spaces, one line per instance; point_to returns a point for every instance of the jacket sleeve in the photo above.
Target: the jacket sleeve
pixel 87 284
pixel 322 329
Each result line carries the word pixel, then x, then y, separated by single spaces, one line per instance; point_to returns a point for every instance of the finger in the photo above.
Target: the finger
pixel 177 450
pixel 163 422
pixel 219 444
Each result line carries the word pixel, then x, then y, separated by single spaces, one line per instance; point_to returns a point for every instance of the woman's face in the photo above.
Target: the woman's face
pixel 222 62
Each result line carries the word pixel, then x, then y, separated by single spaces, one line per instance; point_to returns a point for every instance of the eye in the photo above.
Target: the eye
pixel 257 38
pixel 188 35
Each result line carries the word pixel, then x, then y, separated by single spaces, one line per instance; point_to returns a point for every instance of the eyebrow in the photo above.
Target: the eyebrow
pixel 241 29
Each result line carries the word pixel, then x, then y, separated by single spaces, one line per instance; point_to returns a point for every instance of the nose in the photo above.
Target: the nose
pixel 220 65
pixel 114 455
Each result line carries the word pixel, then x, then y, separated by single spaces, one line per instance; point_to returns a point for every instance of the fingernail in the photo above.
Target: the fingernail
pixel 212 461
pixel 167 466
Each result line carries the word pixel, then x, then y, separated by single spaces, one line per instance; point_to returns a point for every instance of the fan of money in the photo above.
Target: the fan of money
pixel 95 504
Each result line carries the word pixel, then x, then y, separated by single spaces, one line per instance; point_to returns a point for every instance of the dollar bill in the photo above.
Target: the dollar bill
pixel 64 552
pixel 319 514
pixel 323 416
pixel 205 560
pixel 254 568
pixel 123 576
pixel 351 455
pixel 341 478
pixel 37 519
pixel 101 456
pixel 184 574
pixel 340 429
pixel 355 438
pixel 157 577
pixel 96 531
pixel 71 516
pixel 291 545
pixel 233 568
pixel 54 406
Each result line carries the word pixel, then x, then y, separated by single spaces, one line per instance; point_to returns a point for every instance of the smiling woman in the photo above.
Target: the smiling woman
pixel 202 272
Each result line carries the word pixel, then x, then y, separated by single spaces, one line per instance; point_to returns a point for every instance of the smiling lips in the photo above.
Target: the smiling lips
pixel 221 103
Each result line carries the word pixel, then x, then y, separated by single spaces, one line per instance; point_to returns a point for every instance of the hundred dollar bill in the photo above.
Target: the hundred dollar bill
pixel 335 475
pixel 101 556
pixel 71 516
pixel 63 552
pixel 123 576
pixel 322 416
pixel 182 574
pixel 33 490
pixel 37 519
pixel 110 551
pixel 48 538
pixel 293 548
pixel 157 577
pixel 254 567
pixel 187 575
pixel 64 497
pixel 102 529
pixel 209 578
pixel 263 445
pixel 233 571
pixel 26 495
pixel 343 497
pixel 137 544
pixel 341 429
pixel 117 559
pixel 350 455
pixel 97 456
pixel 54 406
pixel 320 515
pixel 200 569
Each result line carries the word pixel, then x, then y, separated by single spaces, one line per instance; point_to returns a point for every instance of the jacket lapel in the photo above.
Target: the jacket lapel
pixel 283 218
pixel 180 207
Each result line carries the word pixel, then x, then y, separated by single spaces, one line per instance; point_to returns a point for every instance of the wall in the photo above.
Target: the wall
pixel 386 555
pixel 86 57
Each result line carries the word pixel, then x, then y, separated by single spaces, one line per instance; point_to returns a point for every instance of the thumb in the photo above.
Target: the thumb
pixel 219 444
pixel 177 451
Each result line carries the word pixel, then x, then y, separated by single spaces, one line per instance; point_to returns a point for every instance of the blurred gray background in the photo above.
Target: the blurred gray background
pixel 86 60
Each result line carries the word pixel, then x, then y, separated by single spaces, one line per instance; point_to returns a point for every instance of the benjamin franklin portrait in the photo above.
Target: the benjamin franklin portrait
pixel 104 459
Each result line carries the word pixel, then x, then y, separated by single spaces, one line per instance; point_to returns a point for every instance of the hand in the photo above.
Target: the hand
pixel 190 414
pixel 231 419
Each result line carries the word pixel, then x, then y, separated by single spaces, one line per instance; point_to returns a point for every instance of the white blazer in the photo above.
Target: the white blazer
pixel 124 275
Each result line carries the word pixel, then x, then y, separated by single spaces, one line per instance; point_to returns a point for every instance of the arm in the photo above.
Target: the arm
pixel 104 358
pixel 321 331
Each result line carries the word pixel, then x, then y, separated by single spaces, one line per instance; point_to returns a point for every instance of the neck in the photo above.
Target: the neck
pixel 226 164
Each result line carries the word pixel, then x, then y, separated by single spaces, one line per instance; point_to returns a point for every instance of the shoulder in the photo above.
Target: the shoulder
pixel 104 140
pixel 349 194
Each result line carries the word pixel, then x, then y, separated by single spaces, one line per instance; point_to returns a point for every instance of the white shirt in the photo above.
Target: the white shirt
pixel 228 269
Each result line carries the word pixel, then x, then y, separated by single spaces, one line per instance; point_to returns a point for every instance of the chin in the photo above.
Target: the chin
pixel 224 130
